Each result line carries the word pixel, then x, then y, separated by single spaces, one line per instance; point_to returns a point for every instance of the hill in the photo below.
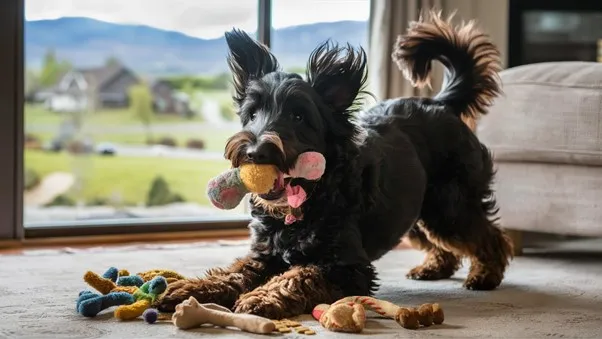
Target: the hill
pixel 87 42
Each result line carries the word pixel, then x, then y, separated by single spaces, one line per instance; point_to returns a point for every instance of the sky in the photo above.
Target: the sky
pixel 200 18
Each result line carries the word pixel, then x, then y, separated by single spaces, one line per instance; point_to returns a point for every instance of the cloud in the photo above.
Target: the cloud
pixel 196 17
pixel 201 18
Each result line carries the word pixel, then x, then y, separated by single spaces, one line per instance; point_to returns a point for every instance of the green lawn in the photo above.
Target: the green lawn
pixel 215 140
pixel 130 177
pixel 96 123
pixel 221 96
pixel 37 114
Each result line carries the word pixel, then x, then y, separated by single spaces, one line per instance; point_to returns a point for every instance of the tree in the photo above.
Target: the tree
pixel 188 88
pixel 52 68
pixel 160 194
pixel 32 81
pixel 112 61
pixel 221 81
pixel 141 105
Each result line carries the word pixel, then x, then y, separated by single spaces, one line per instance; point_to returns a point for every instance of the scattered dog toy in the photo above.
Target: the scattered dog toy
pixel 169 275
pixel 191 314
pixel 287 326
pixel 144 296
pixel 118 288
pixel 227 190
pixel 150 315
pixel 130 280
pixel 345 317
pixel 348 314
pixel 107 283
pixel 89 304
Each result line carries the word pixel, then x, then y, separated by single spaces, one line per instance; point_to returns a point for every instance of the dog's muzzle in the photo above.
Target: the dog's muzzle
pixel 244 148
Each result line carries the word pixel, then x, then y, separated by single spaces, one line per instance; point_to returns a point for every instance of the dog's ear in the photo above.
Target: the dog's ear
pixel 247 59
pixel 338 75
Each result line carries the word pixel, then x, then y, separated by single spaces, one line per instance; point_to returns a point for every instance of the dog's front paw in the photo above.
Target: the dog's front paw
pixel 424 272
pixel 203 290
pixel 176 293
pixel 262 304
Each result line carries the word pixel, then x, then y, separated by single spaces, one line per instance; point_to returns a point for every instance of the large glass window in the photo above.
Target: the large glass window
pixel 127 107
pixel 299 26
pixel 128 103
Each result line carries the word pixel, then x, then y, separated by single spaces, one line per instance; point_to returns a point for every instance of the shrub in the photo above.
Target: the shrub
pixel 61 200
pixel 98 201
pixel 32 142
pixel 177 198
pixel 32 179
pixel 160 193
pixel 195 144
pixel 78 147
pixel 167 141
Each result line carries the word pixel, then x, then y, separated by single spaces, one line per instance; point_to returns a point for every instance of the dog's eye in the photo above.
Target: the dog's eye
pixel 297 117
pixel 253 116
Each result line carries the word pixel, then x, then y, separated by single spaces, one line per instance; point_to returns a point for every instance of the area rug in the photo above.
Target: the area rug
pixel 545 294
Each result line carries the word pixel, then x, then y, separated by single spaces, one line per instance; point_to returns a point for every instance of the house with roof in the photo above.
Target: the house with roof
pixel 106 87
pixel 90 88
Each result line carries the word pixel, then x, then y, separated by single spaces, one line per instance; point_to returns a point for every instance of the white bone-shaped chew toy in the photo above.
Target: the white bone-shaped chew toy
pixel 227 190
pixel 191 314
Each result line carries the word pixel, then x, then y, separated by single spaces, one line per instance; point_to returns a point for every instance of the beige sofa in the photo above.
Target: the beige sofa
pixel 546 137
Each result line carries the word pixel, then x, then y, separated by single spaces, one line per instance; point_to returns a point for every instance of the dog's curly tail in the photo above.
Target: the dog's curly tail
pixel 471 59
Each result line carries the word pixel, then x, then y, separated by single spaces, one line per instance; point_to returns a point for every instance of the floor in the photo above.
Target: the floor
pixel 554 290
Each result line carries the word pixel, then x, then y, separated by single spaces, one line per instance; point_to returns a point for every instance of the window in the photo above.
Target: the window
pixel 299 26
pixel 115 114
pixel 127 107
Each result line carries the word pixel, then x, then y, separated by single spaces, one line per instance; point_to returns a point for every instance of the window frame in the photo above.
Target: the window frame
pixel 11 119
pixel 12 21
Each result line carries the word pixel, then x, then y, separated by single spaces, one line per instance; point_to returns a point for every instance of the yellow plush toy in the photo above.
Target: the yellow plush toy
pixel 227 190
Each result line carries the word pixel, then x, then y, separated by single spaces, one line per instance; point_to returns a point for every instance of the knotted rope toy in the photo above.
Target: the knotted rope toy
pixel 348 314
pixel 144 296
pixel 114 290
pixel 119 288
pixel 227 190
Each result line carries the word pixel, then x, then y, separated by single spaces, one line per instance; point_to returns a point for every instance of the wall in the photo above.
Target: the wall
pixel 491 16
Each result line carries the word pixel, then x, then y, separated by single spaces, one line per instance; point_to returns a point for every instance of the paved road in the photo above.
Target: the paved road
pixel 168 152
pixel 158 128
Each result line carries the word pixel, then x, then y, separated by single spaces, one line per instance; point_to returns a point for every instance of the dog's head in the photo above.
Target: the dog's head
pixel 284 115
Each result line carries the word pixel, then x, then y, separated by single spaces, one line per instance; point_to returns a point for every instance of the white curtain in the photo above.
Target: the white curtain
pixel 388 19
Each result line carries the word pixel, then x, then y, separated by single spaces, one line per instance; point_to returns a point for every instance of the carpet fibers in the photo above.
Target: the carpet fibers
pixel 545 294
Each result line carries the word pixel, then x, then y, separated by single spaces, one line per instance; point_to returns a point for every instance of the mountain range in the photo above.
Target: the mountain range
pixel 87 42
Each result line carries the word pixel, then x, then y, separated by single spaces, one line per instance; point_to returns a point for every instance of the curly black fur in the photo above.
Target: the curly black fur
pixel 401 161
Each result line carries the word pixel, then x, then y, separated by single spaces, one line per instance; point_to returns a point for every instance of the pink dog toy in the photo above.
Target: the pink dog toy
pixel 227 190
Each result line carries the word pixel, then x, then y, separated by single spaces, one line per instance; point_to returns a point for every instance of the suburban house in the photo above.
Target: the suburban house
pixel 167 100
pixel 91 88
pixel 106 87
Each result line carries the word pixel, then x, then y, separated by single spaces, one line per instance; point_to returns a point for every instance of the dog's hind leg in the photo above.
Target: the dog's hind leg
pixel 438 264
pixel 457 221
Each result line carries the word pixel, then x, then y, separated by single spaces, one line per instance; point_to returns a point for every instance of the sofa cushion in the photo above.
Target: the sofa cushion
pixel 549 113
pixel 564 199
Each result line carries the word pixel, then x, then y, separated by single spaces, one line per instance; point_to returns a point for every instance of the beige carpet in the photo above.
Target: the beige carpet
pixel 556 294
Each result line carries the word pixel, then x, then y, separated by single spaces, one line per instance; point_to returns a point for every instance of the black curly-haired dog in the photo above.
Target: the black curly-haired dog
pixel 406 166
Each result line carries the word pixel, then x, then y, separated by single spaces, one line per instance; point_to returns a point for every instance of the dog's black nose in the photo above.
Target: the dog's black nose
pixel 258 154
